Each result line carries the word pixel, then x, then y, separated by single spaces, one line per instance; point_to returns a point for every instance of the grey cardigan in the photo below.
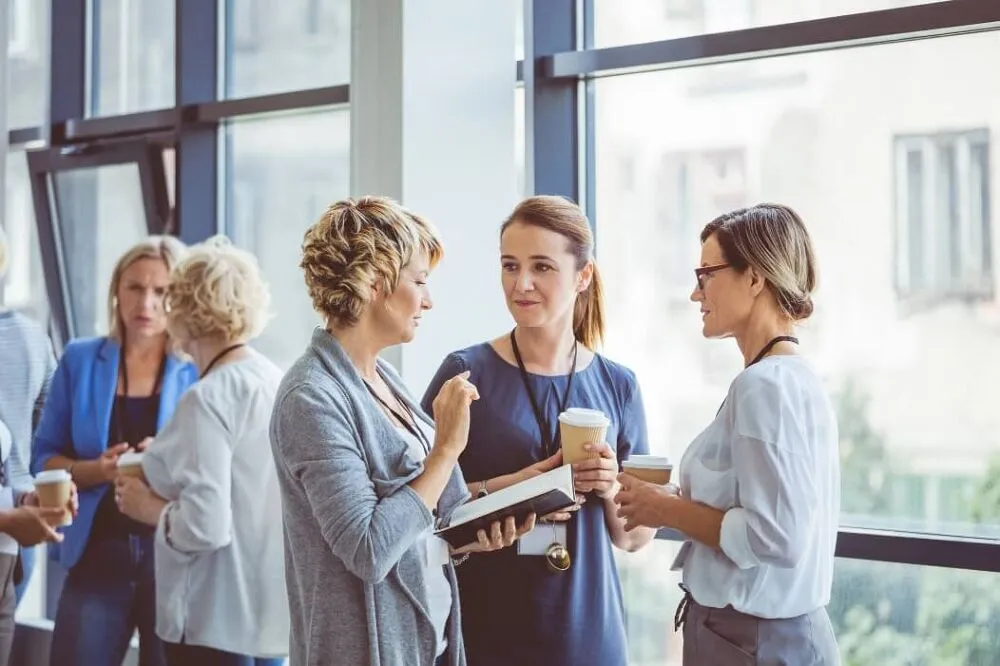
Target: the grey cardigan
pixel 354 573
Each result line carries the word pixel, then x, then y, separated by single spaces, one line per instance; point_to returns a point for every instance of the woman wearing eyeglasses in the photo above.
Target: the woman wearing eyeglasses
pixel 518 607
pixel 759 493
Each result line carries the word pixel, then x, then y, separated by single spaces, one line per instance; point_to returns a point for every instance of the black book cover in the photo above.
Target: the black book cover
pixel 544 494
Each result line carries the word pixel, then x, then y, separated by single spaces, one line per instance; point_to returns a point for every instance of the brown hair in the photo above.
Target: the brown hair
pixel 167 249
pixel 358 243
pixel 565 218
pixel 772 239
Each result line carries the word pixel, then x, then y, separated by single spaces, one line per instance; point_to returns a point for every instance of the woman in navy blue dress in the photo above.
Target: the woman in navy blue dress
pixel 515 608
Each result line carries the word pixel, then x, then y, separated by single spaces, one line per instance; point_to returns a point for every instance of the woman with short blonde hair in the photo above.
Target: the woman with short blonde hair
pixel 365 474
pixel 212 490
pixel 109 395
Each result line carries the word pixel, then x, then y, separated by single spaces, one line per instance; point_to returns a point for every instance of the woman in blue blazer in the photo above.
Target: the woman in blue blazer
pixel 108 395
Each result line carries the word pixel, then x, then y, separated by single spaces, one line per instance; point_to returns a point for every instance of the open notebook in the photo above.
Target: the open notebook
pixel 544 494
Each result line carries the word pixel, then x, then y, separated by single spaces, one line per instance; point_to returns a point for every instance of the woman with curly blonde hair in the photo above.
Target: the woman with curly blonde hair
pixel 213 491
pixel 365 474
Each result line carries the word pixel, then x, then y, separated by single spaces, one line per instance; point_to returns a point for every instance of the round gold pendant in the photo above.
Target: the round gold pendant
pixel 557 558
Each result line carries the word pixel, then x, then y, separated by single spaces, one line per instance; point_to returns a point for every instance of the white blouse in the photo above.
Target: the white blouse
pixel 220 569
pixel 770 460
pixel 435 552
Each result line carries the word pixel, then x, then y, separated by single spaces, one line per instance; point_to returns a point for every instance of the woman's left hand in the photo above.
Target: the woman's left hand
pixel 137 500
pixel 500 536
pixel 597 474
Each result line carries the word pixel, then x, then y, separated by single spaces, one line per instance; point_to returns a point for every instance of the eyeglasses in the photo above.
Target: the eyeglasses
pixel 705 271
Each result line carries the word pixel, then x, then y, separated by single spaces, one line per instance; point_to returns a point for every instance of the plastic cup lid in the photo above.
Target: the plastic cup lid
pixel 52 476
pixel 647 462
pixel 130 458
pixel 584 418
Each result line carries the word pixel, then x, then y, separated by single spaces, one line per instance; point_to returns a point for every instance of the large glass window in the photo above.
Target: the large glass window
pixel 24 285
pixel 101 216
pixel 133 56
pixel 285 170
pixel 884 614
pixel 884 150
pixel 27 62
pixel 277 46
pixel 636 21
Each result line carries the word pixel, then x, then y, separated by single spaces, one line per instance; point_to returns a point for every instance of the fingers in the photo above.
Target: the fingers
pixel 603 450
pixel 50 532
pixel 50 513
pixel 552 462
pixel 595 475
pixel 117 449
pixel 529 524
pixel 590 464
pixel 509 531
pixel 482 540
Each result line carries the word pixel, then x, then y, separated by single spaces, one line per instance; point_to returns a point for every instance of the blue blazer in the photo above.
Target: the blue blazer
pixel 77 416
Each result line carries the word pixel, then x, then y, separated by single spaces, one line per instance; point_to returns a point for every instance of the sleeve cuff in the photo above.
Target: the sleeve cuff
pixel 425 517
pixel 733 539
pixel 163 527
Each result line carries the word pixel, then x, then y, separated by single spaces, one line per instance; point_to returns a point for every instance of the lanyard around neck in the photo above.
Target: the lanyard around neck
pixel 763 352
pixel 550 442
pixel 770 345
pixel 410 423
pixel 218 357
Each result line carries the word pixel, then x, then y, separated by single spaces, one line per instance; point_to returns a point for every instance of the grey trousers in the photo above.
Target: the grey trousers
pixel 727 637
pixel 8 603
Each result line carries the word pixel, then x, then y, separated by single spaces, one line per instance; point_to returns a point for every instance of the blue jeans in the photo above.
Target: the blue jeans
pixel 108 594
pixel 179 654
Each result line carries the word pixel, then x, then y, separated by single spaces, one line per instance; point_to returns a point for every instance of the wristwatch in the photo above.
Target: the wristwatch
pixel 483 492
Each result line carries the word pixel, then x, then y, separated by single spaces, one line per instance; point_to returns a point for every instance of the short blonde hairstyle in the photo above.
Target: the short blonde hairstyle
pixel 357 244
pixel 217 292
pixel 4 253
pixel 167 249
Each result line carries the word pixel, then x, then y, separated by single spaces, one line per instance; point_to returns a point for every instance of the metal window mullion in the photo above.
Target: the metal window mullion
pixel 930 217
pixel 970 237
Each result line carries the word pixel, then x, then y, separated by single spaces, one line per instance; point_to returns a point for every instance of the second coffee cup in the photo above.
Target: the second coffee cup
pixel 654 469
pixel 577 428
pixel 130 464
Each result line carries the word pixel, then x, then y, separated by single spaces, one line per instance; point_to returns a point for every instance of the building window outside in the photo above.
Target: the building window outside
pixel 943 244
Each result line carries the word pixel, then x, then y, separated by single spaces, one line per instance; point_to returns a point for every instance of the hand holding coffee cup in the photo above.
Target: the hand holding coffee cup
pixel 56 490
pixel 644 504
pixel 130 464
pixel 108 461
pixel 577 428
pixel 597 474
